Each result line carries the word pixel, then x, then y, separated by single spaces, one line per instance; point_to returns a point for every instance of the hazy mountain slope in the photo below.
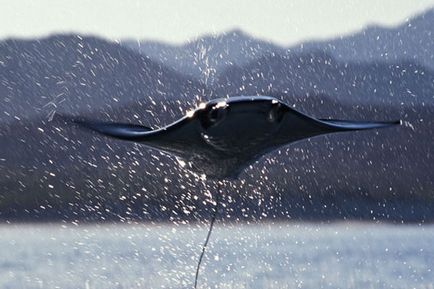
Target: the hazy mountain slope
pixel 208 56
pixel 412 40
pixel 80 74
pixel 317 73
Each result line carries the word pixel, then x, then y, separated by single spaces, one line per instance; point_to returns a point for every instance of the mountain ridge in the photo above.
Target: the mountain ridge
pixel 411 40
pixel 79 74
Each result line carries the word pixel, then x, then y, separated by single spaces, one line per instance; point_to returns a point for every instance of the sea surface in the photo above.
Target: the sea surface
pixel 260 255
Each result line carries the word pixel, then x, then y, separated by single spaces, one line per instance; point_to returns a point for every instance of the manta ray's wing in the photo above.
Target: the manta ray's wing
pixel 131 132
pixel 300 126
pixel 175 137
pixel 348 125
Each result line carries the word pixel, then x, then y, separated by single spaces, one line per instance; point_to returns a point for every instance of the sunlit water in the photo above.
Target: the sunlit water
pixel 346 255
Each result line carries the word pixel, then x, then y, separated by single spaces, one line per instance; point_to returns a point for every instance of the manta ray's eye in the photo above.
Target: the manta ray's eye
pixel 213 117
pixel 276 113
pixel 215 114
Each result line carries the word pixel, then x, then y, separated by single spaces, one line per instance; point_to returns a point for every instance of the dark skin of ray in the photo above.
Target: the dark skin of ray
pixel 222 137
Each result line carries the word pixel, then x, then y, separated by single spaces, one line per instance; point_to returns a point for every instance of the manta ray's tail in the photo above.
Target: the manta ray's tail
pixel 348 125
pixel 123 131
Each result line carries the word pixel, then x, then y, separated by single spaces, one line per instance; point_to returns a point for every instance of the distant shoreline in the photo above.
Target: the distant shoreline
pixel 205 222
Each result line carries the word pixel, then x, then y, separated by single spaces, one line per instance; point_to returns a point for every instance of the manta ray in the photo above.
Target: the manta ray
pixel 223 136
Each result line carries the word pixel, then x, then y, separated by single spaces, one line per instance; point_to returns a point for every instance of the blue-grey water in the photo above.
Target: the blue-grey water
pixel 281 255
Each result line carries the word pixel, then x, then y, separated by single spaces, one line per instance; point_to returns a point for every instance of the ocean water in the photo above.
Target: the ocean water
pixel 265 255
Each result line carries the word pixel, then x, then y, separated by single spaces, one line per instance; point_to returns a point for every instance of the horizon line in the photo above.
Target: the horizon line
pixel 210 34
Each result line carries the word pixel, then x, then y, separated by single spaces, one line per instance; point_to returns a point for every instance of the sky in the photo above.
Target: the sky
pixel 284 22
